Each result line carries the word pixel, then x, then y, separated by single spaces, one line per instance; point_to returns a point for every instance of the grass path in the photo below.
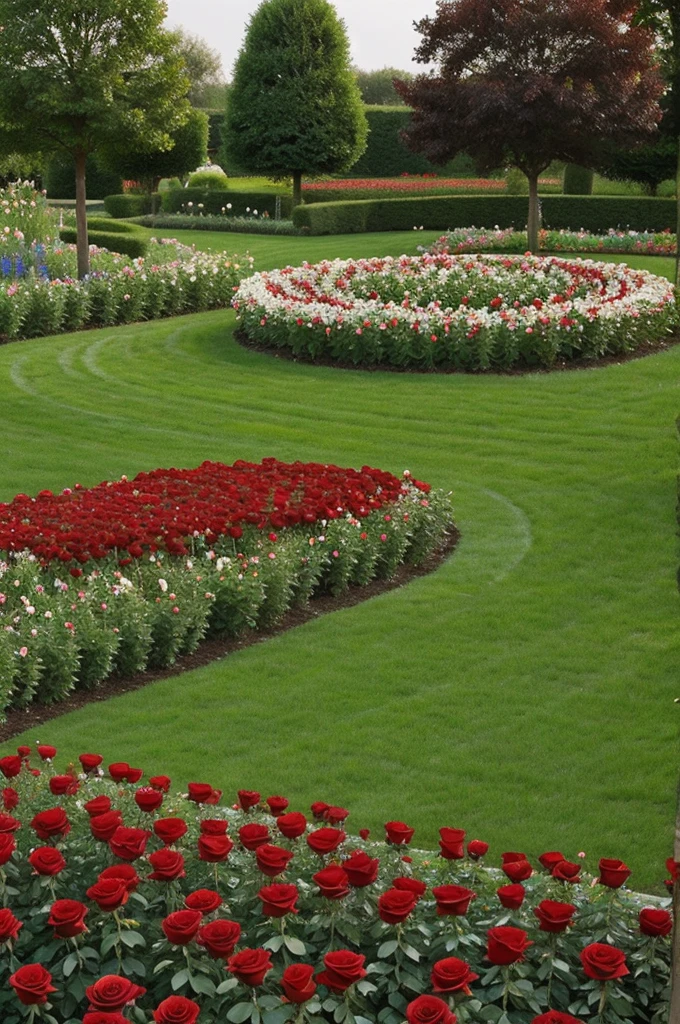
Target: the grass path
pixel 524 691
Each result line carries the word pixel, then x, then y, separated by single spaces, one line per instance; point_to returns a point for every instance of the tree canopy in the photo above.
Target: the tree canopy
pixel 188 151
pixel 377 87
pixel 203 67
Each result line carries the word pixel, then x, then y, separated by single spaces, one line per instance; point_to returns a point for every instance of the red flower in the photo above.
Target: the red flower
pixel 124 873
pixel 32 984
pixel 506 945
pixel 205 900
pixel 603 962
pixel 7 846
pixel 656 923
pixel 511 896
pixel 180 927
pixel 451 843
pixel 250 966
pixel 319 809
pixel 298 983
pixel 395 905
pixel 342 969
pixel 129 843
pixel 111 993
pixel 47 752
pixel 99 805
pixel 8 824
pixel 90 761
pixel 452 975
pixel 278 899
pixel 252 836
pixel 148 799
pixel 160 782
pixel 109 893
pixel 516 866
pixel 613 873
pixel 167 865
pixel 176 1010
pixel 170 830
pixel 335 815
pixel 272 860
pixel 333 882
pixel 64 785
pixel 9 926
pixel 67 917
pixel 214 849
pixel 429 1010
pixel 398 833
pixel 10 766
pixel 214 827
pixel 325 840
pixel 567 871
pixel 103 826
pixel 219 938
pixel 554 917
pixel 277 805
pixel 47 860
pixel 408 884
pixel 453 899
pixel 556 1017
pixel 361 870
pixel 202 793
pixel 292 825
pixel 476 849
pixel 550 859
pixel 52 823
pixel 248 798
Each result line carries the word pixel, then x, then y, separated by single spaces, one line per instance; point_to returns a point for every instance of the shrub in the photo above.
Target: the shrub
pixel 120 890
pixel 578 181
pixel 208 179
pixel 518 183
pixel 59 179
pixel 219 222
pixel 217 201
pixel 116 227
pixel 386 155
pixel 129 204
pixel 165 184
pixel 133 245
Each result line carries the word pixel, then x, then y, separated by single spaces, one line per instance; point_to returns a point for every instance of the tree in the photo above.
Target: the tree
pixel 294 106
pixel 526 82
pixel 78 75
pixel 649 165
pixel 377 87
pixel 189 150
pixel 203 67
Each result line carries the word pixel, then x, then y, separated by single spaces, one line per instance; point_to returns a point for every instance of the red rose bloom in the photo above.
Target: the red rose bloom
pixel 180 927
pixel 24 751
pixel 336 815
pixel 452 975
pixel 250 966
pixel 516 866
pixel 124 872
pixel 214 827
pixel 108 893
pixel 567 871
pixel 9 926
pixel 8 824
pixel 47 753
pixel 129 843
pixel 10 798
pixel 398 833
pixel 167 865
pixel 292 825
pixel 160 782
pixel 556 1017
pixel 452 899
pixel 277 805
pixel 148 799
pixel 64 785
pixel 32 984
pixel 325 840
pixel 176 1010
pixel 67 917
pixel 342 969
pixel 319 809
pixel 214 849
pixel 248 798
pixel 205 900
pixel 111 993
pixel 333 882
pixel 554 917
pixel 451 843
pixel 119 771
pixel 673 867
pixel 361 870
pixel 170 830
pixel 278 899
pixel 252 836
pixel 429 1010
pixel 219 938
pixel 364 833
pixel 550 859
pixel 47 860
pixel 52 823
pixel 476 849
pixel 10 766
pixel 99 805
pixel 97 1017
pixel 506 945
pixel 298 983
pixel 511 896
pixel 90 761
pixel 656 923
pixel 408 884
pixel 395 905
pixel 603 962
pixel 104 826
pixel 7 846
pixel 613 873
pixel 202 793
pixel 272 860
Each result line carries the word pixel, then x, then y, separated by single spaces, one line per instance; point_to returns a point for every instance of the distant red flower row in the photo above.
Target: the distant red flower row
pixel 164 508
pixel 402 184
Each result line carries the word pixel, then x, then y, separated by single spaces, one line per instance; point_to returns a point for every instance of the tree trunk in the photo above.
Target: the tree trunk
pixel 532 224
pixel 81 216
pixel 297 188
pixel 674 1016
pixel 677 233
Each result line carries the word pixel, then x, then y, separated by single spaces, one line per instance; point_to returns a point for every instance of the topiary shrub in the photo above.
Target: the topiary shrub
pixel 165 184
pixel 131 205
pixel 208 179
pixel 578 181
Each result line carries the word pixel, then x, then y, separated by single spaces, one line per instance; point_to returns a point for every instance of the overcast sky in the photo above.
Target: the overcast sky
pixel 381 32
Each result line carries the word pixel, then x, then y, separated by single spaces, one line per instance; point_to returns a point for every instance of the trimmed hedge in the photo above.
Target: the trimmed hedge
pixel 214 199
pixel 386 155
pixel 59 180
pixel 108 224
pixel 131 204
pixel 578 181
pixel 129 245
pixel 592 213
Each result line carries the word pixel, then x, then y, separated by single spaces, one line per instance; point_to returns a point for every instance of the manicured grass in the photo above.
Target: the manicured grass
pixel 524 691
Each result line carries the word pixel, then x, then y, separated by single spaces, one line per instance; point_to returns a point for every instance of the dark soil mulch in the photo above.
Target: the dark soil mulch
pixel 219 647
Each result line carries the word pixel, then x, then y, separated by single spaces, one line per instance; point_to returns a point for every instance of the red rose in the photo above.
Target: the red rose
pixel 214 827
pixel 124 872
pixel 180 927
pixel 452 899
pixel 476 849
pixel 567 871
pixel 325 840
pixel 10 766
pixel 452 975
pixel 511 896
pixel 335 815
pixel 252 836
pixel 364 833
pixel 129 843
pixel 319 809
pixel 333 882
pixel 292 825
pixel 202 793
pixel 506 945
pixel 64 785
pixel 550 859
pixel 219 938
pixel 214 849
pixel 408 884
pixel 169 830
pixel 148 799
pixel 603 962
pixel 90 761
pixel 167 865
pixel 398 833
pixel 103 826
pixel 97 1017
pixel 177 1010
pixel 673 867
pixel 24 751
pixel 119 771
pixel 298 983
pixel 272 860
pixel 278 899
pixel 556 1017
pixel 8 824
pixel 49 824
pixel 451 843
pixel 277 805
pixel 554 917
pixel 111 993
pixel 160 782
pixel 248 798
pixel 205 900
pixel 32 984
pixel 67 917
pixel 10 798
pixel 99 805
pixel 613 873
pixel 108 893
pixel 342 969
pixel 395 905
pixel 46 860
pixel 250 966
pixel 429 1010
pixel 516 866
pixel 361 870
pixel 656 923
pixel 7 846
pixel 47 753
pixel 9 926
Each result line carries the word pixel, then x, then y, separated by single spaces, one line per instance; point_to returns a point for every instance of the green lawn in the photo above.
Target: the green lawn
pixel 524 691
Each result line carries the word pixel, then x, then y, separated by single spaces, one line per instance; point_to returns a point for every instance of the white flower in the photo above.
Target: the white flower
pixel 163 585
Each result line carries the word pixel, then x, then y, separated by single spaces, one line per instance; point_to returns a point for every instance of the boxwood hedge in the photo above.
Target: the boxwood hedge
pixel 132 245
pixel 213 200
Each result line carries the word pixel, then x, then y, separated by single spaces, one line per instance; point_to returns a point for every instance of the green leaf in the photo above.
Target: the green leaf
pixel 240 1013
pixel 387 949
pixel 274 943
pixel 365 987
pixel 340 1013
pixel 277 1016
pixel 226 986
pixel 108 943
pixel 295 946
pixel 411 953
pixel 201 984
pixel 133 966
pixel 179 979
pixel 163 964
pixel 132 939
pixel 69 965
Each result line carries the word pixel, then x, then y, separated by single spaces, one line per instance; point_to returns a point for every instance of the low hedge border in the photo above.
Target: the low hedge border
pixel 219 222
pixel 592 213
pixel 215 201
pixel 132 245
pixel 131 205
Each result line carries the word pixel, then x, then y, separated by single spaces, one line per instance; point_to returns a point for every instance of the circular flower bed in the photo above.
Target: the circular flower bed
pixel 124 901
pixel 456 312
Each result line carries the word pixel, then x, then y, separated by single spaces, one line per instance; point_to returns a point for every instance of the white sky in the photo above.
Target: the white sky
pixel 381 32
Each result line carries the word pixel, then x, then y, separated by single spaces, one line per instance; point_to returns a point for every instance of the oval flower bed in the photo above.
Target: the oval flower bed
pixel 132 573
pixel 456 312
pixel 124 898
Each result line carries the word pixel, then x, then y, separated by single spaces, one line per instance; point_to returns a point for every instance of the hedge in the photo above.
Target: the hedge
pixel 578 181
pixel 108 224
pixel 386 155
pixel 59 180
pixel 129 245
pixel 592 213
pixel 131 204
pixel 214 200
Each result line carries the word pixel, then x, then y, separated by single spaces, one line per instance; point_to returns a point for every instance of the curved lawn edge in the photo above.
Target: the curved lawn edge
pixel 217 648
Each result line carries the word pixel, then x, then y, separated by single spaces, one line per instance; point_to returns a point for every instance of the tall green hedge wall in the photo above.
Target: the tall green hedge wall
pixel 386 155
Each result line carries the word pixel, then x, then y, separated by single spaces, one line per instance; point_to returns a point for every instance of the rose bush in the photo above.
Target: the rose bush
pixel 131 573
pixel 456 312
pixel 139 925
